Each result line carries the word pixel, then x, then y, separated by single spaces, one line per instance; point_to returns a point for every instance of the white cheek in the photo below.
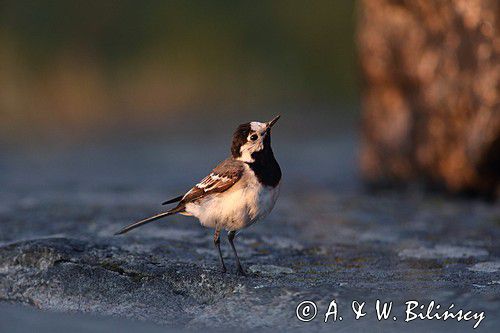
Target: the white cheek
pixel 256 146
pixel 246 156
pixel 246 153
pixel 248 149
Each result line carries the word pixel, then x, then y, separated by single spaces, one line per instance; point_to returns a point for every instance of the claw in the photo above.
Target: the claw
pixel 241 271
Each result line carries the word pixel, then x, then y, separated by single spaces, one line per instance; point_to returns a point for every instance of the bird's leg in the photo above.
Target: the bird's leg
pixel 230 237
pixel 217 245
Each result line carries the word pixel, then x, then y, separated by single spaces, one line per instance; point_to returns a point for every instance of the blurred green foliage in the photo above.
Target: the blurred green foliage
pixel 82 63
pixel 307 42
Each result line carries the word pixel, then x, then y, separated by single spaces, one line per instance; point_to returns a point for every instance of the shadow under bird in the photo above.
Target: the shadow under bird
pixel 240 191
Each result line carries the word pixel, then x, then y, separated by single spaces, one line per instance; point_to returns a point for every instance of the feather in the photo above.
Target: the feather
pixel 176 199
pixel 219 180
pixel 137 224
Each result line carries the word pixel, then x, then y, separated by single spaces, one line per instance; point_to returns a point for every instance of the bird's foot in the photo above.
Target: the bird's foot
pixel 241 272
pixel 223 269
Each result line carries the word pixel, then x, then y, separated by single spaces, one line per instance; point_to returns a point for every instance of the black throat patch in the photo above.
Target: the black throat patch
pixel 265 166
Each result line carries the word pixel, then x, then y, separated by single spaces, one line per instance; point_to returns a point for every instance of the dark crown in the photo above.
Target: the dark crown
pixel 239 139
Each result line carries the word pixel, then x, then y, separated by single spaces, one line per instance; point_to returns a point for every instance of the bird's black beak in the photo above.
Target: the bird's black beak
pixel 273 121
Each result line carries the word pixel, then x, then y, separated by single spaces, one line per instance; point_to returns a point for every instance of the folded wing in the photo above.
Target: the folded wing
pixel 221 178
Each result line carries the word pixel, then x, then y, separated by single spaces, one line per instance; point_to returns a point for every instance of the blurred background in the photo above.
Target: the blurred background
pixel 108 108
pixel 82 74
pixel 85 71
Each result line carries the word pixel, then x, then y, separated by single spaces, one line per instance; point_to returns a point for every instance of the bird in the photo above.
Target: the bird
pixel 239 191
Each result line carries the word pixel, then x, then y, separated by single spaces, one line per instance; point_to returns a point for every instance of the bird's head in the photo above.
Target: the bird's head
pixel 250 138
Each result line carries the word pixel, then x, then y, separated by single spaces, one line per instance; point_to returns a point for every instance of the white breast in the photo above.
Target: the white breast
pixel 245 203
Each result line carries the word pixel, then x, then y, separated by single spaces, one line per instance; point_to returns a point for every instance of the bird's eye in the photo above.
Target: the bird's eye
pixel 254 137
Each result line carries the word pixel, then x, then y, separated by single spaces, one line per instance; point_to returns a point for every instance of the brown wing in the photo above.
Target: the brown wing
pixel 219 180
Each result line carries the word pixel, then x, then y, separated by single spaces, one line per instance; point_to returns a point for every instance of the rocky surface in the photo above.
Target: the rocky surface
pixel 326 239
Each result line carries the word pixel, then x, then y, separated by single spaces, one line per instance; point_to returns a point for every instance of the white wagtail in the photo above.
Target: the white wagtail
pixel 238 192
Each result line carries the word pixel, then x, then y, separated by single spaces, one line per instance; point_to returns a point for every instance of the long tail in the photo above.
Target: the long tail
pixel 176 199
pixel 149 219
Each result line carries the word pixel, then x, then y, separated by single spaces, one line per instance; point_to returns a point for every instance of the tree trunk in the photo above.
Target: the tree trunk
pixel 430 91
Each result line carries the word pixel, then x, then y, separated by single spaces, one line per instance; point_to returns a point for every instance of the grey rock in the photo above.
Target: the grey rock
pixel 270 270
pixel 486 267
pixel 443 252
pixel 57 252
